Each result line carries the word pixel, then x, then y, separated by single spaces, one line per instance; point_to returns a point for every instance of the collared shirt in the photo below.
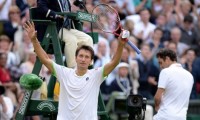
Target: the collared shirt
pixel 178 84
pixel 78 94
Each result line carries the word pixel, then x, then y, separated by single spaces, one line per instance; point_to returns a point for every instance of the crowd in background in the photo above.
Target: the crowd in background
pixel 153 25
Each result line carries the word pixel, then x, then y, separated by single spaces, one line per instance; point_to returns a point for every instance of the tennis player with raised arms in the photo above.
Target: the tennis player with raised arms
pixel 79 87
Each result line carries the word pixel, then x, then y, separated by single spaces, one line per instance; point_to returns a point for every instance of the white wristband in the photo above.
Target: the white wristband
pixel 125 34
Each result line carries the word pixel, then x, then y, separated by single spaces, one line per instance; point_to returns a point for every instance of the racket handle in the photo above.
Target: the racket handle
pixel 134 47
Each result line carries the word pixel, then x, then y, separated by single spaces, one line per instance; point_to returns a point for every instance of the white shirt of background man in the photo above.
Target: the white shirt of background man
pixel 178 84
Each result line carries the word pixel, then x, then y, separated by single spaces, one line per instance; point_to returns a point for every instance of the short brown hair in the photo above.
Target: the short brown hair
pixel 85 47
pixel 4 38
pixel 13 9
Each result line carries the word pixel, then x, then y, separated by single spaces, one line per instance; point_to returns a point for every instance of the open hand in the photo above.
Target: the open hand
pixel 30 29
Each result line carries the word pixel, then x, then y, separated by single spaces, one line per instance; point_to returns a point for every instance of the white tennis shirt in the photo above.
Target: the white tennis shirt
pixel 78 97
pixel 178 84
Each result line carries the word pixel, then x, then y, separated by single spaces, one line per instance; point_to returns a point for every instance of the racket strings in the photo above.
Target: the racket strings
pixel 112 18
pixel 108 19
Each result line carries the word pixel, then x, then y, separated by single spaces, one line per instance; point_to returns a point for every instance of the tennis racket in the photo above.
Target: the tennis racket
pixel 107 20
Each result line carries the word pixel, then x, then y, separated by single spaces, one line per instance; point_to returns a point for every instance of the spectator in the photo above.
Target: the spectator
pixel 113 47
pixel 188 33
pixel 6 105
pixel 172 46
pixel 144 29
pixel 125 6
pixel 12 89
pixel 197 29
pixel 155 45
pixel 161 22
pixel 196 74
pixel 156 7
pixel 185 8
pixel 101 56
pixel 140 4
pixel 24 47
pixel 125 55
pixel 190 56
pixel 6 46
pixel 153 75
pixel 122 81
pixel 155 42
pixel 132 53
pixel 170 12
pixel 144 63
pixel 176 37
pixel 28 65
pixel 190 65
pixel 121 86
pixel 13 27
pixel 133 69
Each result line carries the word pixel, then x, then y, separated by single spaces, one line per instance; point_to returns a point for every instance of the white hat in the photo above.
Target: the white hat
pixel 122 64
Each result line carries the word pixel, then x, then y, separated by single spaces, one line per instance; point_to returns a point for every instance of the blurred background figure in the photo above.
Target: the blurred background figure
pixel 144 63
pixel 122 82
pixel 13 27
pixel 188 33
pixel 6 46
pixel 6 105
pixel 12 88
pixel 176 37
pixel 27 66
pixel 144 29
pixel 120 87
pixel 102 55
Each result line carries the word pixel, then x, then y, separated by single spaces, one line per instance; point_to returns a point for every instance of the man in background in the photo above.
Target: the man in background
pixel 174 88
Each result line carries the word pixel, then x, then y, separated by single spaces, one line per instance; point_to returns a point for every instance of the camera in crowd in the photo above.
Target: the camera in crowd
pixel 134 106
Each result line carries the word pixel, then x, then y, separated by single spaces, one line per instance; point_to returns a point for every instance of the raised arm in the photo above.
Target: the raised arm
pixel 42 55
pixel 116 58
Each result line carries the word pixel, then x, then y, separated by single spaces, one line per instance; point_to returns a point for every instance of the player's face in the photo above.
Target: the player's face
pixel 83 59
pixel 163 63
